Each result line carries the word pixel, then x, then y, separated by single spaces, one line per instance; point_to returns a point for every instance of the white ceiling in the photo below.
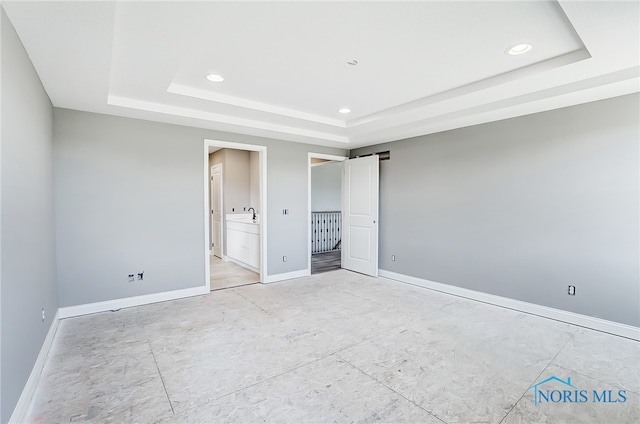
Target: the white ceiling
pixel 423 67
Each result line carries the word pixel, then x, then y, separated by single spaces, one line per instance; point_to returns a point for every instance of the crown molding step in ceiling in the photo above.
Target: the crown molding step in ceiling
pixel 343 74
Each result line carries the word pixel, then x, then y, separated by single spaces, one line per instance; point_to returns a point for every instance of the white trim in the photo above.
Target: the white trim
pixel 611 327
pixel 287 276
pixel 310 156
pixel 128 302
pixel 262 160
pixel 222 220
pixel 224 119
pixel 207 220
pixel 327 157
pixel 19 414
pixel 263 212
pixel 251 104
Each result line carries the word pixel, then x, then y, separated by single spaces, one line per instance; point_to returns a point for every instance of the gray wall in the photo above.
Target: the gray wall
pixel 236 181
pixel 326 187
pixel 522 208
pixel 28 255
pixel 254 180
pixel 129 197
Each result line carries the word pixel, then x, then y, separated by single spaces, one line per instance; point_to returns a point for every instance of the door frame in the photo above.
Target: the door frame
pixel 262 163
pixel 211 249
pixel 310 156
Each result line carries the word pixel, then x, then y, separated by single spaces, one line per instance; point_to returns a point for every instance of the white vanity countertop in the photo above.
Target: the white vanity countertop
pixel 245 218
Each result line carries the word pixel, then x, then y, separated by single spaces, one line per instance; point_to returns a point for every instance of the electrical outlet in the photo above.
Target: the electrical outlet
pixel 132 278
pixel 284 259
pixel 572 291
pixel 43 315
pixel 393 258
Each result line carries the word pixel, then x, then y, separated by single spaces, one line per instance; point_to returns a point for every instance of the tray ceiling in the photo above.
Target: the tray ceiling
pixel 402 68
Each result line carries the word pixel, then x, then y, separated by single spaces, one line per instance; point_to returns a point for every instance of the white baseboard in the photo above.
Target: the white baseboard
pixel 287 276
pixel 242 264
pixel 518 305
pixel 19 414
pixel 110 305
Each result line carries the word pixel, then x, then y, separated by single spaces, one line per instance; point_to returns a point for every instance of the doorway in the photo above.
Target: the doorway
pixel 235 214
pixel 325 212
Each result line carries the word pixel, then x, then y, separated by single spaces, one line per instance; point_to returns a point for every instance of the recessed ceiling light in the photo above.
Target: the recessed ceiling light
pixel 344 110
pixel 518 49
pixel 215 78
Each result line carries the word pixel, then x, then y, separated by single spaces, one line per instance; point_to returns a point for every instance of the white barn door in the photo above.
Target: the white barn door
pixel 360 215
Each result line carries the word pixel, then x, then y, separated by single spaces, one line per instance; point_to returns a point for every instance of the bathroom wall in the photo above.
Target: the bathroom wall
pixel 254 180
pixel 236 180
pixel 236 176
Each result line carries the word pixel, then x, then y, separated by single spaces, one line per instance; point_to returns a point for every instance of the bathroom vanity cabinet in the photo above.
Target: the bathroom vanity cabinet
pixel 243 243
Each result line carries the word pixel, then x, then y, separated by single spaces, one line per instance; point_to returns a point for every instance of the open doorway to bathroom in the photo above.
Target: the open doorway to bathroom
pixel 325 212
pixel 235 221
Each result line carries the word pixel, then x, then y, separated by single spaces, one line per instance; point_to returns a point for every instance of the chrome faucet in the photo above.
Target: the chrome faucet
pixel 254 213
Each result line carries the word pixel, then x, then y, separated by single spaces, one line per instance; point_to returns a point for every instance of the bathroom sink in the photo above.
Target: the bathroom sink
pixel 242 219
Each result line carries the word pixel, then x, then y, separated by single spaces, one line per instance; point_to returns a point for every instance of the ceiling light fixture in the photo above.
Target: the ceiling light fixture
pixel 345 110
pixel 215 78
pixel 518 49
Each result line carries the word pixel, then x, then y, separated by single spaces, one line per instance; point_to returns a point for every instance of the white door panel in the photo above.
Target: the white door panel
pixel 359 246
pixel 360 198
pixel 360 215
pixel 216 209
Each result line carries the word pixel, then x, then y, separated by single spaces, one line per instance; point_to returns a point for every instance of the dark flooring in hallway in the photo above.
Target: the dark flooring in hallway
pixel 325 261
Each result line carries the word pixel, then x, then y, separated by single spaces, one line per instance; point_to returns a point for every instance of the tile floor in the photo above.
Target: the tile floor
pixel 228 274
pixel 334 347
